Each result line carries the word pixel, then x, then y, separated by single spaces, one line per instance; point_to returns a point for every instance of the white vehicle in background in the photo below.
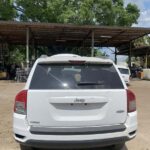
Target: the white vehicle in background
pixel 125 72
pixel 71 101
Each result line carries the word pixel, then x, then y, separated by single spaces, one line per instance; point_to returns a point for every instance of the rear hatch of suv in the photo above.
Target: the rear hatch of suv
pixel 125 72
pixel 76 95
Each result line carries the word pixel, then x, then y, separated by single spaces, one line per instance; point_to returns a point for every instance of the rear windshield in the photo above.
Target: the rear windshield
pixel 70 76
pixel 124 71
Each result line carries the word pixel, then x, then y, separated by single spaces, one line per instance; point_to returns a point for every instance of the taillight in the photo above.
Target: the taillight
pixel 131 99
pixel 21 102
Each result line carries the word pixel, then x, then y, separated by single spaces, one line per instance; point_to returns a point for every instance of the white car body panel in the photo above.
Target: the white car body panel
pixel 99 110
pixel 126 77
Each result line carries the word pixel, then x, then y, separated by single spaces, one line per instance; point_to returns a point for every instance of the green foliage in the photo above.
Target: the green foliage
pixel 99 53
pixel 31 10
pixel 7 11
pixel 100 12
pixel 143 41
pixel 17 55
pixel 82 51
pixel 134 60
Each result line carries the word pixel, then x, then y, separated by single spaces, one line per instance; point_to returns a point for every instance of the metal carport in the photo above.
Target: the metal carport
pixel 142 51
pixel 69 35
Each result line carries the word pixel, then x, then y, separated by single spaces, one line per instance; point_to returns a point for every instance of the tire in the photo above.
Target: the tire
pixel 23 147
pixel 119 147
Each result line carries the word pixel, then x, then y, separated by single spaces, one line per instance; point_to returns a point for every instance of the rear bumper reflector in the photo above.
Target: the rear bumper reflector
pixel 77 131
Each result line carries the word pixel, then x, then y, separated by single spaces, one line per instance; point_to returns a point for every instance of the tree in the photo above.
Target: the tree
pixel 16 55
pixel 143 41
pixel 7 11
pixel 100 12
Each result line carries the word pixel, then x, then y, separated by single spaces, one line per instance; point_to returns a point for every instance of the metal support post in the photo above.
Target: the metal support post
pixel 27 48
pixel 129 63
pixel 34 52
pixel 146 61
pixel 115 56
pixel 92 45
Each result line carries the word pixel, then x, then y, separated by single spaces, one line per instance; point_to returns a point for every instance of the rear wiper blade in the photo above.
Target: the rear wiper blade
pixel 89 83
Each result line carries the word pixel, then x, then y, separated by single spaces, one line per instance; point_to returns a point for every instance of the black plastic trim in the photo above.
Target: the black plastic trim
pixel 19 136
pixel 75 144
pixel 77 131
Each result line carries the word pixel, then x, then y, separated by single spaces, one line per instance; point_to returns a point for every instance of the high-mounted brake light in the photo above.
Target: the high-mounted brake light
pixel 21 102
pixel 77 61
pixel 131 100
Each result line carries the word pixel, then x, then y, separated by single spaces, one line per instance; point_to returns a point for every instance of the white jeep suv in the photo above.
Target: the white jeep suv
pixel 71 101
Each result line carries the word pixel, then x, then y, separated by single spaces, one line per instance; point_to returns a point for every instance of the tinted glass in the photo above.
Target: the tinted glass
pixel 123 71
pixel 69 76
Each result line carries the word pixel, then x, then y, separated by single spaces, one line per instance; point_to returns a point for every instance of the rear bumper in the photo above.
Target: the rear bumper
pixel 77 130
pixel 75 144
pixel 22 134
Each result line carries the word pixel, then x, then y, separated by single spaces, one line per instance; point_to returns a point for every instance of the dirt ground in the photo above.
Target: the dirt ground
pixel 9 89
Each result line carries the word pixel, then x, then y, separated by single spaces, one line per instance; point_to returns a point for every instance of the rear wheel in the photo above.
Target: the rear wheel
pixel 119 146
pixel 23 147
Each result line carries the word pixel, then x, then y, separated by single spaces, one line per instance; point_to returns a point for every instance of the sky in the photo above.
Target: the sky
pixel 144 6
